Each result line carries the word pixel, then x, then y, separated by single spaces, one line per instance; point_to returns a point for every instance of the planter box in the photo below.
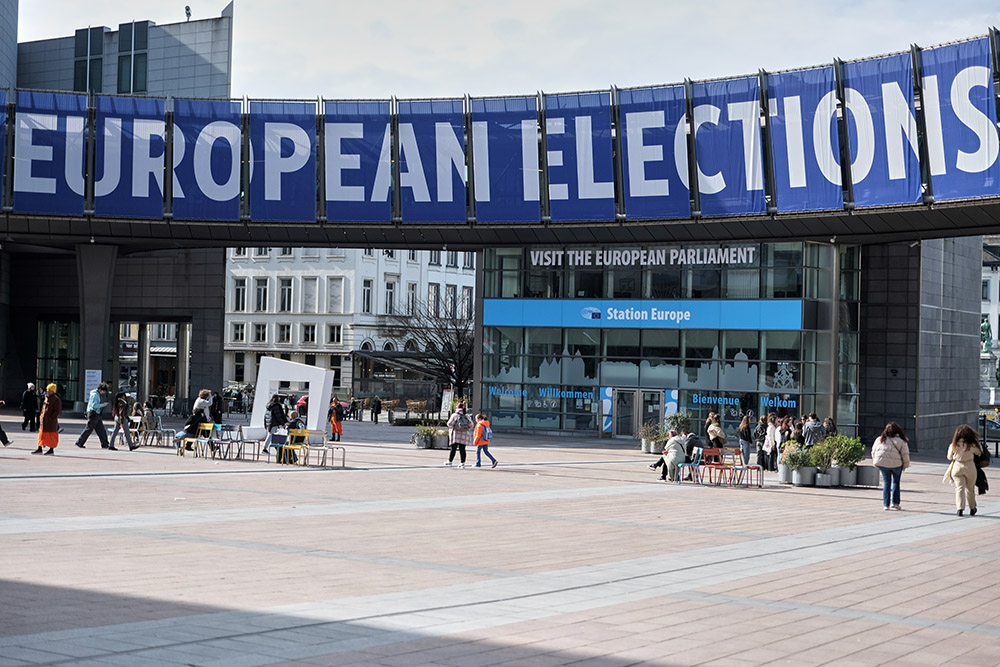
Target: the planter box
pixel 834 473
pixel 784 474
pixel 824 479
pixel 656 446
pixel 645 446
pixel 805 476
pixel 848 477
pixel 867 475
pixel 441 442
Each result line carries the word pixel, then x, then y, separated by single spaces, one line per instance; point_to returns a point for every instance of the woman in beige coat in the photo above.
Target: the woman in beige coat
pixel 891 455
pixel 962 451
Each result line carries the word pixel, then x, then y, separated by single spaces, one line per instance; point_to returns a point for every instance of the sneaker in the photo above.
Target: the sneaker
pixel 461 465
pixel 37 451
pixel 478 466
pixel 447 463
pixel 49 452
pixel 81 445
pixel 972 512
pixel 133 448
pixel 885 509
pixel 651 466
pixel 113 448
pixel 896 507
pixel 7 444
pixel 494 465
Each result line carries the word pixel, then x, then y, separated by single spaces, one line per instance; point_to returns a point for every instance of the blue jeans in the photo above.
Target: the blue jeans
pixel 890 478
pixel 483 449
pixel 745 452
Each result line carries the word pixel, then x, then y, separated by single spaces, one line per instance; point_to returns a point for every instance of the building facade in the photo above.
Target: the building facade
pixel 328 307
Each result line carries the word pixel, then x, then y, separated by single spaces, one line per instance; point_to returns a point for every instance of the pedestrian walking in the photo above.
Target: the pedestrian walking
pixel 95 422
pixel 3 434
pixel 336 420
pixel 891 455
pixel 120 413
pixel 48 428
pixel 481 439
pixel 376 408
pixel 29 408
pixel 276 418
pixel 962 452
pixel 460 432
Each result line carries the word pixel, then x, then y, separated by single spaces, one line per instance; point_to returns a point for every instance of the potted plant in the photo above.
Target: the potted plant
pixel 821 456
pixel 799 462
pixel 423 436
pixel 441 438
pixel 784 472
pixel 648 432
pixel 678 421
pixel 847 452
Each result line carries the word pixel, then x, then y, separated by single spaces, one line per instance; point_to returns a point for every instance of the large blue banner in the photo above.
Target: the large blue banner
pixel 49 153
pixel 129 159
pixel 961 120
pixel 882 131
pixel 283 142
pixel 432 161
pixel 358 161
pixel 728 146
pixel 580 164
pixel 804 142
pixel 505 159
pixel 654 149
pixel 749 314
pixel 207 159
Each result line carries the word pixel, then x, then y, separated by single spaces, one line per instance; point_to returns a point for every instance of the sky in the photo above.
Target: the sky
pixel 303 49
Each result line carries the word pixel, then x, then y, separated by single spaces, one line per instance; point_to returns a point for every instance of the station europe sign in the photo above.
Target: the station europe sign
pixel 497 144
pixel 744 314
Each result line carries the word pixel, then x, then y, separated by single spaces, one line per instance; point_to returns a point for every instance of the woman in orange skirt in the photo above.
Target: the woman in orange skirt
pixel 336 417
pixel 48 429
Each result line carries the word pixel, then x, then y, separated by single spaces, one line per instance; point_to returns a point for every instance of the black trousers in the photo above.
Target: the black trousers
pixel 94 423
pixel 30 420
pixel 460 446
pixel 3 437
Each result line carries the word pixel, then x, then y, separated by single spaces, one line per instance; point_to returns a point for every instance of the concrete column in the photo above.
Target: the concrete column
pixel 95 267
pixel 183 361
pixel 145 363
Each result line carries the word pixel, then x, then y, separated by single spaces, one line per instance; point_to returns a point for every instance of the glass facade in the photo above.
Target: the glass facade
pixel 601 340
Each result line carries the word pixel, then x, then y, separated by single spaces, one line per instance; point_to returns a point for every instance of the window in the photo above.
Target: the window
pixel 125 74
pixel 466 303
pixel 433 299
pixel 126 331
pixel 366 296
pixel 260 333
pixel 411 298
pixel 309 334
pixel 239 252
pixel 452 258
pixel 369 252
pixel 139 75
pixel 309 288
pixel 411 255
pixel 390 298
pixel 310 360
pixel 450 300
pixel 260 294
pixel 239 294
pixel 124 37
pixel 239 332
pixel 163 332
pixel 285 295
pixel 986 290
pixel 390 253
pixel 96 75
pixel 260 252
pixel 239 369
pixel 333 334
pixel 334 295
pixel 284 333
pixel 435 259
pixel 285 252
pixel 141 35
pixel 469 260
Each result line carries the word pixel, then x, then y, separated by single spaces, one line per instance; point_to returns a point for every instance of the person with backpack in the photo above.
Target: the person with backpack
pixel 460 432
pixel 481 438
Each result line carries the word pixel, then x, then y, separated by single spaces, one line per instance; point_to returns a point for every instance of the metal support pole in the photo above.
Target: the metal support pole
pixel 918 94
pixel 692 151
pixel 770 187
pixel 846 177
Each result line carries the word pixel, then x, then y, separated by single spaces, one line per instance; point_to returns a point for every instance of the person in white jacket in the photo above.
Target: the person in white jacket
pixel 891 455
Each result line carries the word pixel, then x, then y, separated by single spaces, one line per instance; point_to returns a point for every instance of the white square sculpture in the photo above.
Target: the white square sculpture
pixel 272 372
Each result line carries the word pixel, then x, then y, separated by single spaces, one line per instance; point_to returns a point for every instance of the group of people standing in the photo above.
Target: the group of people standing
pixel 463 431
pixel 772 432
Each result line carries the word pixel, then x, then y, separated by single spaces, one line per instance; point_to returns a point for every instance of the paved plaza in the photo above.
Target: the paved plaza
pixel 571 552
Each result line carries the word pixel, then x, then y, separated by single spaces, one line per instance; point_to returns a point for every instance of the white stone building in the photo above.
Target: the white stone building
pixel 318 305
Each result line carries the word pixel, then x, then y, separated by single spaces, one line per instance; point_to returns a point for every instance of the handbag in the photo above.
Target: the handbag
pixel 983 460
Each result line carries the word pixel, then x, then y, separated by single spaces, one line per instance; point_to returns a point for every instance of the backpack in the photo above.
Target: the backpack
pixel 463 423
pixel 487 434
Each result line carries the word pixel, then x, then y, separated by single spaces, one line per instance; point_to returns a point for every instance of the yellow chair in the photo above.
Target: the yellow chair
pixel 196 442
pixel 296 447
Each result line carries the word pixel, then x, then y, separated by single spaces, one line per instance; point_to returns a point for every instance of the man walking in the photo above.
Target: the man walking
pixel 98 399
pixel 29 408
pixel 48 431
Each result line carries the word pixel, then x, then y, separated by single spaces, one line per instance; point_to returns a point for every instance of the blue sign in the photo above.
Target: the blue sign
pixel 728 146
pixel 749 314
pixel 654 149
pixel 49 153
pixel 207 160
pixel 283 142
pixel 882 131
pixel 579 151
pixel 961 120
pixel 358 161
pixel 805 149
pixel 505 159
pixel 130 155
pixel 432 161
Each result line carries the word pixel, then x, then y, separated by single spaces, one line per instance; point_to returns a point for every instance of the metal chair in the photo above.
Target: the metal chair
pixel 296 448
pixel 694 466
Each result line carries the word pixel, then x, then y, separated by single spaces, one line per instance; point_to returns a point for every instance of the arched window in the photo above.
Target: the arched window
pixel 367 346
pixel 389 347
pixel 411 346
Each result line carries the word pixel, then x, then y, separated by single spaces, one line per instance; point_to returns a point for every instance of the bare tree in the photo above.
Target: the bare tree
pixel 444 340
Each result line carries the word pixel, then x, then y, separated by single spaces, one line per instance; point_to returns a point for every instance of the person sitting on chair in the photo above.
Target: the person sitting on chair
pixel 190 428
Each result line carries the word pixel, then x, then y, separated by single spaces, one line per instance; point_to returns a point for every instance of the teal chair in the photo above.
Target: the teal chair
pixel 695 466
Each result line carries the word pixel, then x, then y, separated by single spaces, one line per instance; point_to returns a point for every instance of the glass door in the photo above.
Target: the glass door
pixel 624 413
pixel 652 407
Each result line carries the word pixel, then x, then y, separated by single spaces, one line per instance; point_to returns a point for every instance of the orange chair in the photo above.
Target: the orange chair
pixel 748 471
pixel 718 463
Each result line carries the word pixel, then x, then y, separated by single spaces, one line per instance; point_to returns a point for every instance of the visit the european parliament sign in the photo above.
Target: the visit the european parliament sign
pixel 817 139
